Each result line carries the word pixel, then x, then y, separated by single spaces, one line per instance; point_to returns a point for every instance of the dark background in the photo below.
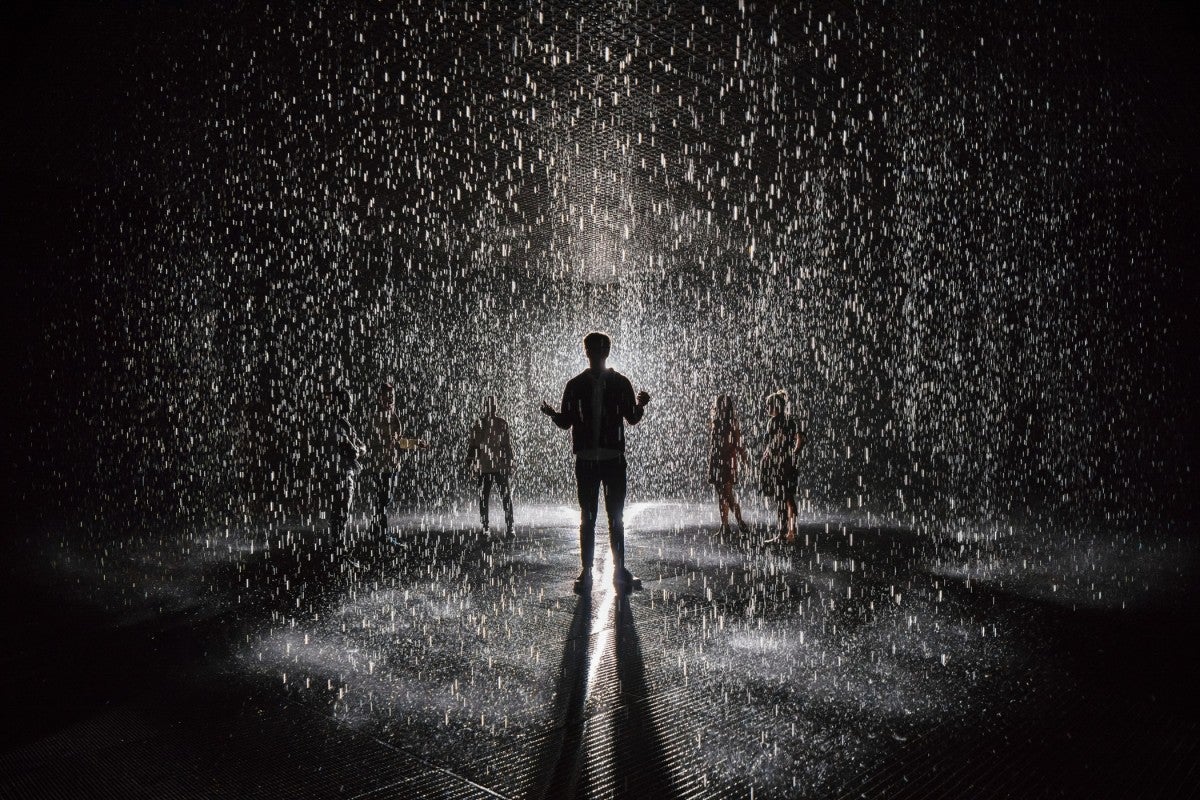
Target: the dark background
pixel 102 101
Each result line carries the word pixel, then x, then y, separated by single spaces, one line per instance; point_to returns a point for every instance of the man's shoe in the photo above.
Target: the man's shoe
pixel 583 584
pixel 625 582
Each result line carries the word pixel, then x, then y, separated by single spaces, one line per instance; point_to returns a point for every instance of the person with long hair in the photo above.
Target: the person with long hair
pixel 726 452
pixel 781 453
pixel 490 455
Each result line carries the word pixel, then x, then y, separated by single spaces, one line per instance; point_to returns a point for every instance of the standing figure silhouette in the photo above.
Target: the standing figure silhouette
pixel 490 451
pixel 781 452
pixel 726 454
pixel 596 404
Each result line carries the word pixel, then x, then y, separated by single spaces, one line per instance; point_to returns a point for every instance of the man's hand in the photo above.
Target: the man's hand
pixel 548 409
pixel 643 398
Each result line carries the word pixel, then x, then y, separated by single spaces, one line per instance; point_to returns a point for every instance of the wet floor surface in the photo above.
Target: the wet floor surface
pixel 865 660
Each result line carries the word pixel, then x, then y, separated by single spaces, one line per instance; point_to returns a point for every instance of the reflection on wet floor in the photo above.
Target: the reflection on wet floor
pixel 869 659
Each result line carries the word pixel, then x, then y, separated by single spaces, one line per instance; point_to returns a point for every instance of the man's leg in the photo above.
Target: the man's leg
pixel 781 512
pixel 614 504
pixel 737 508
pixel 342 497
pixel 502 480
pixel 369 479
pixel 373 484
pixel 386 496
pixel 587 481
pixel 485 494
pixel 790 511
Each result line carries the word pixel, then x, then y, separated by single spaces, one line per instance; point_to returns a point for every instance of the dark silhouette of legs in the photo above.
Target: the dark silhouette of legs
pixel 589 477
pixel 614 505
pixel 342 498
pixel 501 482
pixel 382 489
pixel 785 509
pixel 587 482
pixel 485 496
pixel 505 487
pixel 728 500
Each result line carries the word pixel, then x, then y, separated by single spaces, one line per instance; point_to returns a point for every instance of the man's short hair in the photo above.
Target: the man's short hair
pixel 598 344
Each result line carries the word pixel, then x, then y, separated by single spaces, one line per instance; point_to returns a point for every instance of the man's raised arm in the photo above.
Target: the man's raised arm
pixel 634 409
pixel 561 418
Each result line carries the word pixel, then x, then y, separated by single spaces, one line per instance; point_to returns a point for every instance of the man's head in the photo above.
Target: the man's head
pixel 340 400
pixel 722 412
pixel 777 402
pixel 489 405
pixel 387 394
pixel 597 345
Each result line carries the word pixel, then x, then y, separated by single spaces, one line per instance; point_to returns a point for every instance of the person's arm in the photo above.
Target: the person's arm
pixel 562 417
pixel 506 449
pixel 403 442
pixel 472 446
pixel 353 440
pixel 633 409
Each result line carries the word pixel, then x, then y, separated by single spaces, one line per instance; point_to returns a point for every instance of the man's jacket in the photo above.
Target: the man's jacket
pixel 595 407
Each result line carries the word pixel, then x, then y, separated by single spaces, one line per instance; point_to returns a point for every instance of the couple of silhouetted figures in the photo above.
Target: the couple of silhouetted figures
pixel 596 405
pixel 778 466
pixel 382 453
pixel 489 450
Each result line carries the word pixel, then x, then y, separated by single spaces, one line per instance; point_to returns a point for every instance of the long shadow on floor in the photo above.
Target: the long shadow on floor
pixel 569 760
pixel 642 763
pixel 562 759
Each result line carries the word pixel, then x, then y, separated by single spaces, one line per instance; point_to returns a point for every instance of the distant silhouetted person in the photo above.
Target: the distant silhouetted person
pixel 726 452
pixel 781 452
pixel 386 444
pixel 596 404
pixel 344 450
pixel 489 450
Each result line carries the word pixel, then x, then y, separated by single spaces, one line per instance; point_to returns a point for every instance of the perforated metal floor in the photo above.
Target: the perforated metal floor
pixel 863 661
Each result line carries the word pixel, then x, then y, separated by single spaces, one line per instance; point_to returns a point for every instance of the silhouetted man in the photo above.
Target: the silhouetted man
pixel 490 449
pixel 596 404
